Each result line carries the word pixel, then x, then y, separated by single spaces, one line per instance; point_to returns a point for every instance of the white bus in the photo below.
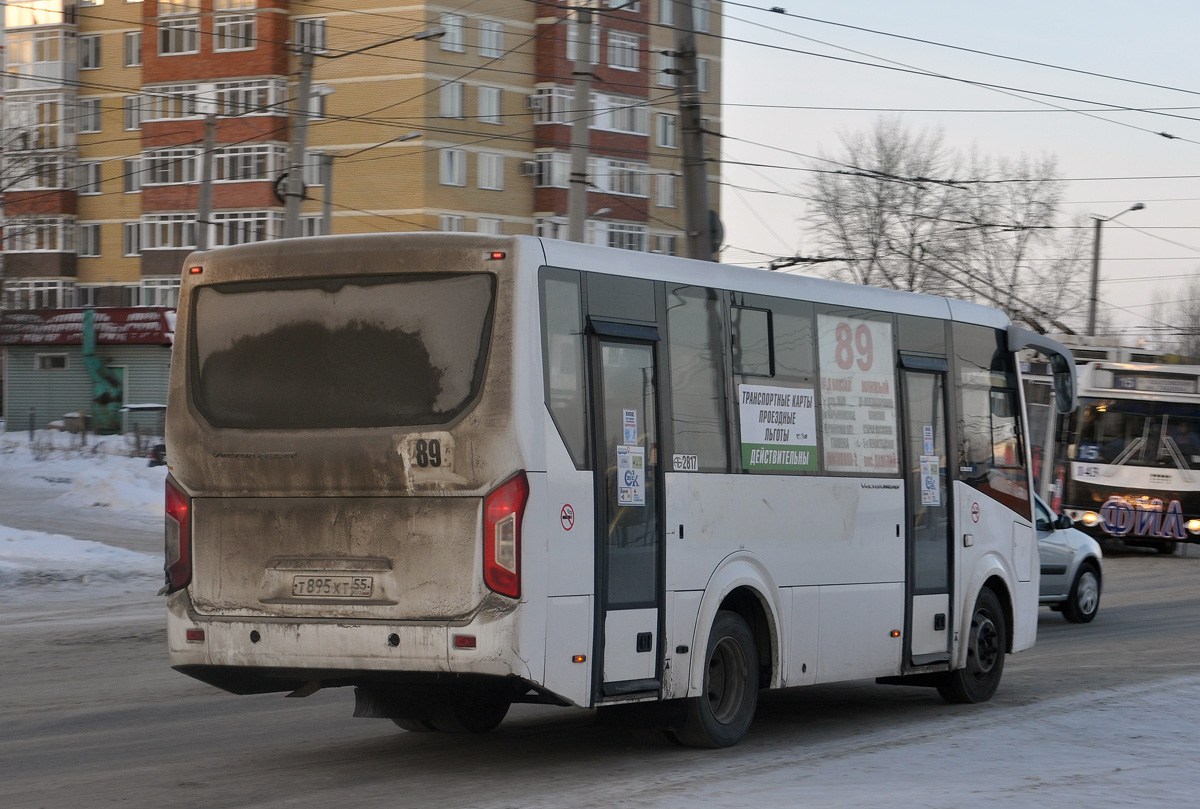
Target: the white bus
pixel 1127 463
pixel 462 471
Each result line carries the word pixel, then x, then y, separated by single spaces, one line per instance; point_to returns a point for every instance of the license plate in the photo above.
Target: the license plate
pixel 333 586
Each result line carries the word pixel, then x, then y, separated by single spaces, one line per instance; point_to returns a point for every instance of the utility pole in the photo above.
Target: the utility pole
pixel 1094 298
pixel 580 134
pixel 327 195
pixel 299 143
pixel 204 208
pixel 695 168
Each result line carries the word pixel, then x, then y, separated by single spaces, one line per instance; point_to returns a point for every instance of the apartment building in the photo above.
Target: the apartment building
pixel 421 117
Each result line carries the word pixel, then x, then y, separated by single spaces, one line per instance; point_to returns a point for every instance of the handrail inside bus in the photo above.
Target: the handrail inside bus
pixel 1062 363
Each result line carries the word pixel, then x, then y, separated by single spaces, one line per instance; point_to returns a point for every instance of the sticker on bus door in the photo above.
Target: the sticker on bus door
pixel 930 493
pixel 631 476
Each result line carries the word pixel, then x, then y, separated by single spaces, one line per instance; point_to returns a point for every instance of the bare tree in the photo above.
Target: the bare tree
pixel 1180 318
pixel 899 217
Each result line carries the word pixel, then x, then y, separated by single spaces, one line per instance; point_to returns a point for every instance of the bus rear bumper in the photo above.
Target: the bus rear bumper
pixel 246 655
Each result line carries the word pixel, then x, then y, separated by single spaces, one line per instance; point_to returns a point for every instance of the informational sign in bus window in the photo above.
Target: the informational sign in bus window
pixel 931 494
pixel 779 428
pixel 858 395
pixel 629 424
pixel 631 476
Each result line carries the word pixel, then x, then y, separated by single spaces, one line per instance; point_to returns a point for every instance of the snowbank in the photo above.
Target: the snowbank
pixel 31 559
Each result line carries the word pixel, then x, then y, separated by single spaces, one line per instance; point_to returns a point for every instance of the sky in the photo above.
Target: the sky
pixel 1143 252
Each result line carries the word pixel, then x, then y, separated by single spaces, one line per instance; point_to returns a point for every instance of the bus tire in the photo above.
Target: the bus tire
pixel 721 715
pixel 469 712
pixel 986 643
pixel 414 725
pixel 1166 548
pixel 1083 602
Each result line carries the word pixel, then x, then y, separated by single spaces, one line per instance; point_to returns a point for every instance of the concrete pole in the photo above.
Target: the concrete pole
pixel 327 194
pixel 581 117
pixel 1095 294
pixel 695 168
pixel 299 144
pixel 204 208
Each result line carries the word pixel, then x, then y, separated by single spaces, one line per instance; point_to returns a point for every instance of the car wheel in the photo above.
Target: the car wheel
pixel 986 645
pixel 1083 603
pixel 1166 548
pixel 721 715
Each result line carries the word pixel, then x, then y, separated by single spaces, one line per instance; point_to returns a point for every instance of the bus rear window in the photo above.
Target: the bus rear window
pixel 378 351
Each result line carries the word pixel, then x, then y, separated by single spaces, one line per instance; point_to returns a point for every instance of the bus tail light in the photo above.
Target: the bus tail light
pixel 502 513
pixel 178 524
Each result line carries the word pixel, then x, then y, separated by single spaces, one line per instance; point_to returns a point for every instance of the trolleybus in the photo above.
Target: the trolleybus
pixel 1127 462
pixel 457 472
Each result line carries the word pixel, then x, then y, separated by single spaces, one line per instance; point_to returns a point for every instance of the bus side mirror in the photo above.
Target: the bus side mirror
pixel 1064 383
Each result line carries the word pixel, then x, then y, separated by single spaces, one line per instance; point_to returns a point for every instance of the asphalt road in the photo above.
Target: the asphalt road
pixel 92 716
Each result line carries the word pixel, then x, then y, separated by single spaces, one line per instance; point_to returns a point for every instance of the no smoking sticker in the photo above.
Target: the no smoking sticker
pixel 567 517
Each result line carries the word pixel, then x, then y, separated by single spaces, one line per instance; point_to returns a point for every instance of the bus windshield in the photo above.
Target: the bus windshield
pixel 379 351
pixel 1139 433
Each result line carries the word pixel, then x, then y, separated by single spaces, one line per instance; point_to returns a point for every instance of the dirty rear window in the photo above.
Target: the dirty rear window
pixel 376 351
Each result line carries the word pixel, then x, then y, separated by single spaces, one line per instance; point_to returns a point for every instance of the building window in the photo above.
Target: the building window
pixel 489 105
pixel 245 227
pixel 260 161
pixel 665 244
pixel 551 105
pixel 170 166
pixel 492 227
pixel 665 70
pixel 666 12
pixel 89 115
pixel 550 227
pixel 132 175
pixel 623 51
pixel 49 235
pixel 131 238
pixel 310 34
pixel 453 167
pixel 573 43
pixel 168 231
pixel 625 5
pixel 253 97
pixel 491 171
pixel 89 241
pixel 619 176
pixel 491 39
pixel 36 122
pixel 454 39
pixel 160 292
pixel 451 223
pixel 35 58
pixel 667 191
pixel 32 171
pixel 701 22
pixel 39 294
pixel 553 170
pixel 169 7
pixel 312 169
pixel 452 99
pixel 702 75
pixel 234 32
pixel 133 112
pixel 313 225
pixel 620 114
pixel 89 178
pixel 668 131
pixel 169 101
pixel 89 52
pixel 619 235
pixel 133 48
pixel 50 362
pixel 177 37
pixel 234 5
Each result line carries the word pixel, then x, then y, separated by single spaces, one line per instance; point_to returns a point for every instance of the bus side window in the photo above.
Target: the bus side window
pixel 563 359
pixel 992 454
pixel 752 348
pixel 696 338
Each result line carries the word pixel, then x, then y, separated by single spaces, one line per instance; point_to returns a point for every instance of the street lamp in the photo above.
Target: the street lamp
pixel 1095 297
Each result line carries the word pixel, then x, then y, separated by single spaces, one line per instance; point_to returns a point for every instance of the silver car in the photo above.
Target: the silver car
pixel 1072 567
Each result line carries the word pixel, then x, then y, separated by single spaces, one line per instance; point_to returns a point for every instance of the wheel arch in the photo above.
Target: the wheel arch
pixel 741 584
pixel 993 575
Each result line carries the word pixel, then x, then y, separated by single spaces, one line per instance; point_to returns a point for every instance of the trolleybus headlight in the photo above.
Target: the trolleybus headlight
pixel 502 513
pixel 1193 526
pixel 1089 518
pixel 178 526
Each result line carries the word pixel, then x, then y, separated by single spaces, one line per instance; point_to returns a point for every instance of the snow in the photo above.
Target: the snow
pixel 100 477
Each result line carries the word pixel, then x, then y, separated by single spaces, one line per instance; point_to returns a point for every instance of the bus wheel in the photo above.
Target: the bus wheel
pixel 469 712
pixel 1166 548
pixel 721 716
pixel 1083 602
pixel 413 725
pixel 985 654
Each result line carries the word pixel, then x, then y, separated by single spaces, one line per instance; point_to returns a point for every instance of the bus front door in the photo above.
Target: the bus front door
pixel 628 524
pixel 928 540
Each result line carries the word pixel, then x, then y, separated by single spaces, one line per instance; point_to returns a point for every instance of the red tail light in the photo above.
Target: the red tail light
pixel 178 539
pixel 502 513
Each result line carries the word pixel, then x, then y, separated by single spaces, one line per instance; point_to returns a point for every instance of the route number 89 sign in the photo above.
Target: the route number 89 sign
pixel 858 395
